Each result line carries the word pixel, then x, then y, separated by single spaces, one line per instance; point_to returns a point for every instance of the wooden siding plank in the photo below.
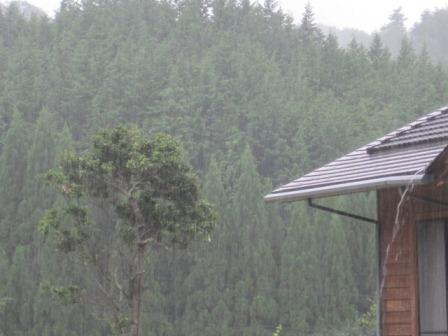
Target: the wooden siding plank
pixel 397 281
pixel 398 329
pixel 397 306
pixel 396 293
pixel 398 317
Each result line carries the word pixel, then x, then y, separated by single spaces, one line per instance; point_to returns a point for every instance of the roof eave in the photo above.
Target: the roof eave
pixel 348 188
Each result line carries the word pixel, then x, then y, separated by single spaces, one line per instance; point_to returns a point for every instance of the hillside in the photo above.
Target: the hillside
pixel 429 34
pixel 347 35
pixel 26 9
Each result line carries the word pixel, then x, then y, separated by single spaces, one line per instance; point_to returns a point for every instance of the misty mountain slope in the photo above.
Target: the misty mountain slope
pixel 26 9
pixel 432 33
pixel 346 35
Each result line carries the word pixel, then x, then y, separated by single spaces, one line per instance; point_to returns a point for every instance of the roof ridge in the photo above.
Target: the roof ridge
pixel 412 125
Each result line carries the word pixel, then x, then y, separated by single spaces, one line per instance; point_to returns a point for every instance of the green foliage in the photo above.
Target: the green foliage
pixel 154 199
pixel 67 295
pixel 278 330
pixel 152 191
pixel 369 321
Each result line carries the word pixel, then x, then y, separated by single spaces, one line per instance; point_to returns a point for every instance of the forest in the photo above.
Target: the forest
pixel 256 100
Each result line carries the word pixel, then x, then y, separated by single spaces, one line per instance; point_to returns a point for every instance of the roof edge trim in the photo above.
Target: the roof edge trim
pixel 348 188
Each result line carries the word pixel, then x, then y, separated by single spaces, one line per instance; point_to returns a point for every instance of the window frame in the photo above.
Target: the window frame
pixel 436 214
pixel 420 224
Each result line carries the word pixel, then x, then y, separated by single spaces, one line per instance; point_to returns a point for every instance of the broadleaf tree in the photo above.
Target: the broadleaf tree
pixel 132 194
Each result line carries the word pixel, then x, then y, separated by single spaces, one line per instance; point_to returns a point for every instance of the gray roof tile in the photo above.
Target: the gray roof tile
pixel 394 159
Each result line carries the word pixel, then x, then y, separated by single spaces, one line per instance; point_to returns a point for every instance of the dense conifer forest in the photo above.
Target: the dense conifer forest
pixel 255 100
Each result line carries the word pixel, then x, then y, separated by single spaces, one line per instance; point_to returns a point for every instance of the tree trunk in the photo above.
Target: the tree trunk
pixel 136 290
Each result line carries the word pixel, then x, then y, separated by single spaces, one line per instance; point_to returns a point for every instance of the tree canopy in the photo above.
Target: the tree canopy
pixel 153 199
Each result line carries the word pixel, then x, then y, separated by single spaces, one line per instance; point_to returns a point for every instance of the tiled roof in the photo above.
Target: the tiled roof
pixel 393 160
pixel 429 129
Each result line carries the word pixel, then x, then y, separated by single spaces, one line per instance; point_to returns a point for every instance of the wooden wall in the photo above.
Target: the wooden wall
pixel 398 267
pixel 398 255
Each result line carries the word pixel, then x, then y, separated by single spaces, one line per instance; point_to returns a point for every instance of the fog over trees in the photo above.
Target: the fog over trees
pixel 428 34
pixel 255 100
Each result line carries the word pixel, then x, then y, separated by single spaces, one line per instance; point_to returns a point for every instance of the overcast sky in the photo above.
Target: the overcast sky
pixel 368 15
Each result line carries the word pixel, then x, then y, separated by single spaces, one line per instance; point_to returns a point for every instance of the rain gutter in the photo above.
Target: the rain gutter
pixel 348 188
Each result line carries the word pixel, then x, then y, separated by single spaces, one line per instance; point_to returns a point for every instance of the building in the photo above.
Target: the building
pixel 408 170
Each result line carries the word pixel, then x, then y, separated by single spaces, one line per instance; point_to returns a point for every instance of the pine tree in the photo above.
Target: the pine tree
pixel 256 285
pixel 12 171
pixel 295 290
pixel 394 32
pixel 309 31
pixel 378 54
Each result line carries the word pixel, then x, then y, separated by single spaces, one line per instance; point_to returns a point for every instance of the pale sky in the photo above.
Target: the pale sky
pixel 367 15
